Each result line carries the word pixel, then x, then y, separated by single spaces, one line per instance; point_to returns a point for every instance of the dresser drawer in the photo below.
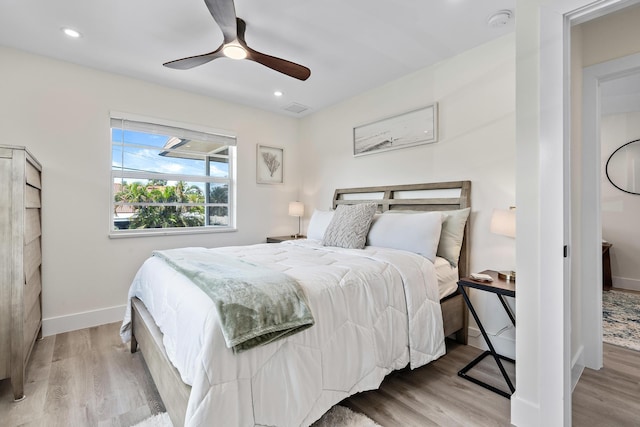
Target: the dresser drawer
pixel 31 327
pixel 31 197
pixel 31 225
pixel 32 290
pixel 32 175
pixel 32 258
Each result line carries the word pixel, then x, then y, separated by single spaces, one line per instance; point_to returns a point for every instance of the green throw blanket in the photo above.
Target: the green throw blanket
pixel 256 305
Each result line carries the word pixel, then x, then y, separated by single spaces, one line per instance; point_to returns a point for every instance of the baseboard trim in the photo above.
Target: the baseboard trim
pixel 504 345
pixel 86 319
pixel 626 283
pixel 577 367
pixel 523 412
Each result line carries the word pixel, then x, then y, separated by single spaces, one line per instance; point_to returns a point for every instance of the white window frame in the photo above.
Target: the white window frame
pixel 189 129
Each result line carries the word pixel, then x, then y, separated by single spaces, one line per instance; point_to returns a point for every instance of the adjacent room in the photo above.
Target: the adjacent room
pixel 250 213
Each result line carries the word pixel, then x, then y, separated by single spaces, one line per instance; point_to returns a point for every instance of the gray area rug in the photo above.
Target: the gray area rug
pixel 338 416
pixel 621 319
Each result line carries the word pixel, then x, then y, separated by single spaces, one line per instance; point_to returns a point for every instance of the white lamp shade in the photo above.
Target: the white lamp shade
pixel 504 222
pixel 296 209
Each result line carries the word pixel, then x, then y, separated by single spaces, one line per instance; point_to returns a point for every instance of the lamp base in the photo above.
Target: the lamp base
pixel 509 276
pixel 296 236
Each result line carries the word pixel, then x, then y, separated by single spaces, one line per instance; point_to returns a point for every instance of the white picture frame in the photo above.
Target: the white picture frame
pixel 269 164
pixel 415 127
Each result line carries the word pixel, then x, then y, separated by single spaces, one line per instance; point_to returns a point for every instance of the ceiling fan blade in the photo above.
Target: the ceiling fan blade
pixel 194 61
pixel 224 13
pixel 283 66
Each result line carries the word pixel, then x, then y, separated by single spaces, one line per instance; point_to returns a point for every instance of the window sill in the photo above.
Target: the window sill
pixel 168 232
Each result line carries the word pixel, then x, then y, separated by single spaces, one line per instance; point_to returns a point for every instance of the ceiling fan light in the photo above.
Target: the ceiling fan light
pixel 234 51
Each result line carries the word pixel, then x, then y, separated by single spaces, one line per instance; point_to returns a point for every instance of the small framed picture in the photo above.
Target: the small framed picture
pixel 269 165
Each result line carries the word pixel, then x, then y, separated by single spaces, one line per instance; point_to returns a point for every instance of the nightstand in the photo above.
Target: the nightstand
pixel 606 267
pixel 279 239
pixel 501 288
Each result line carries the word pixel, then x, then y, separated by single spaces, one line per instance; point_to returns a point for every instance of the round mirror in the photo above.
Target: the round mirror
pixel 623 167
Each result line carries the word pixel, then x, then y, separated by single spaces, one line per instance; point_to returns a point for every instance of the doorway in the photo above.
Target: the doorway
pixel 620 201
pixel 597 78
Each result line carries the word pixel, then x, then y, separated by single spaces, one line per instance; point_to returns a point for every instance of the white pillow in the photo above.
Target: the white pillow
pixel 349 226
pixel 413 232
pixel 318 224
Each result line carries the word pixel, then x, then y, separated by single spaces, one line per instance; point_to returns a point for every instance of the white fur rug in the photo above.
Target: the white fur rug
pixel 338 416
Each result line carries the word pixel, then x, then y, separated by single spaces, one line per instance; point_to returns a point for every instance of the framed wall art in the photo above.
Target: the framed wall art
pixel 408 129
pixel 269 165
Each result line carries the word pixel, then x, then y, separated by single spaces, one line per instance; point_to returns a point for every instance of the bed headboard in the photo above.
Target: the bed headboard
pixel 435 196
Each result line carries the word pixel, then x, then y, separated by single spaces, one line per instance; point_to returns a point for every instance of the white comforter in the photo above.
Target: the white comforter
pixel 375 310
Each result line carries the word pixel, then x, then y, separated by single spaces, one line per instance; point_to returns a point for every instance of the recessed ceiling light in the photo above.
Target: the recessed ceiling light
pixel 71 32
pixel 277 93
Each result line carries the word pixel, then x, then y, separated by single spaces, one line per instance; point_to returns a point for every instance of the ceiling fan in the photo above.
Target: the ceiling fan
pixel 234 45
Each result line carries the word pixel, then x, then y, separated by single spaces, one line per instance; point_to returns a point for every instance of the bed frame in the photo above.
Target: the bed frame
pixel 416 197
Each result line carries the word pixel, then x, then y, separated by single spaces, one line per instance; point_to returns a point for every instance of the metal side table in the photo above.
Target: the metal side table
pixel 501 288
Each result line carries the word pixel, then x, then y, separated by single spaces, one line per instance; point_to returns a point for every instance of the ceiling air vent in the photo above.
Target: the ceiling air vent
pixel 294 107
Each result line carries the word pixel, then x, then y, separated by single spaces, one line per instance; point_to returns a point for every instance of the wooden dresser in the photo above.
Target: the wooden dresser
pixel 20 259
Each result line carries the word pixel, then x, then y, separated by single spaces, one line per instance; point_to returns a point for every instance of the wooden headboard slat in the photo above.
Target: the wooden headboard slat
pixel 405 187
pixel 445 202
pixel 387 201
pixel 352 202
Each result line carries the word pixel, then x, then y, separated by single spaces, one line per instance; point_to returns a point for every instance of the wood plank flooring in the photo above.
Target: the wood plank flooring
pixel 434 395
pixel 89 378
pixel 82 378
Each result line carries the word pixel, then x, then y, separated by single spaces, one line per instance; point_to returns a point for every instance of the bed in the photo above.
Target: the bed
pixel 280 379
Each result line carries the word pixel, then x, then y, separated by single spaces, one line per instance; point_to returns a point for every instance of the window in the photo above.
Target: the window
pixel 169 179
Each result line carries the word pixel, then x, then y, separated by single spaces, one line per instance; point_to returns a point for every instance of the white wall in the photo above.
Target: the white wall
pixel 620 210
pixel 476 96
pixel 60 111
pixel 612 36
pixel 526 402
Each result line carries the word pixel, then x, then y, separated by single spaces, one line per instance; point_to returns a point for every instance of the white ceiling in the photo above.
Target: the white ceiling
pixel 349 45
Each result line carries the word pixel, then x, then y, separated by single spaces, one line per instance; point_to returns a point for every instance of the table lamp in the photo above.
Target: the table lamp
pixel 296 209
pixel 503 222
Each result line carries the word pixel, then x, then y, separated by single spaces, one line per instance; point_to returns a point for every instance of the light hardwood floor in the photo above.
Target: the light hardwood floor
pixel 89 378
pixel 82 378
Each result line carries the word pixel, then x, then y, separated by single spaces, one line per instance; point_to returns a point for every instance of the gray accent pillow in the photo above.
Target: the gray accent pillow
pixel 349 226
pixel 452 234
